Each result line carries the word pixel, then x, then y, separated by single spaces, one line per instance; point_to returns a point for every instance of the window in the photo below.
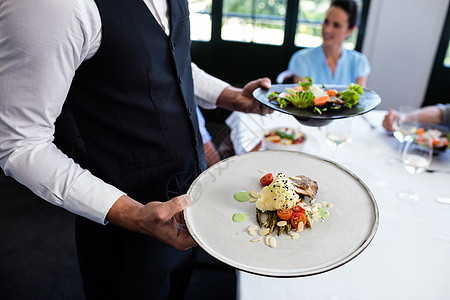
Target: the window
pixel 200 17
pixel 311 14
pixel 447 57
pixel 255 21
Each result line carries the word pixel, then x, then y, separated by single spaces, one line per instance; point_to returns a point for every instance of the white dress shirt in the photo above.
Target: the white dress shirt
pixel 42 43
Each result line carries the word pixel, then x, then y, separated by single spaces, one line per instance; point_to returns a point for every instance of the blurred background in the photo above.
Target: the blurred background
pixel 406 42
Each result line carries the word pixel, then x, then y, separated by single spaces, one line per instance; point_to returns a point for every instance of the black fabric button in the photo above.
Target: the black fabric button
pixel 190 111
pixel 172 46
pixel 196 141
pixel 180 80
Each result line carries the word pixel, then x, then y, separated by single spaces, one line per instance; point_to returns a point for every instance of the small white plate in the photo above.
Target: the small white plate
pixel 348 230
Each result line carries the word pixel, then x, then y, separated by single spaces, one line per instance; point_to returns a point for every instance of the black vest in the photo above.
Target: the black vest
pixel 130 113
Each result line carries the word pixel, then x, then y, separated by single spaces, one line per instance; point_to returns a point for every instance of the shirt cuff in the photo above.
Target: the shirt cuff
pixel 207 88
pixel 445 113
pixel 91 197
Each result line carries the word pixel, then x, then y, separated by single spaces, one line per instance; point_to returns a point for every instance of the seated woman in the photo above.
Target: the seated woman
pixel 331 63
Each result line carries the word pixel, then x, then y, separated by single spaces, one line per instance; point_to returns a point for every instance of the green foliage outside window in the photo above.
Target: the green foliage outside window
pixel 255 21
pixel 447 57
pixel 263 21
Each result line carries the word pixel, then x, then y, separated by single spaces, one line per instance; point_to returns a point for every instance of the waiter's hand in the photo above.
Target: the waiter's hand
pixel 162 220
pixel 242 99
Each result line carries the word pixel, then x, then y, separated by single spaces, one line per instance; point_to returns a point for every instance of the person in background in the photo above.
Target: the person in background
pixel 211 154
pixel 331 63
pixel 437 114
pixel 117 79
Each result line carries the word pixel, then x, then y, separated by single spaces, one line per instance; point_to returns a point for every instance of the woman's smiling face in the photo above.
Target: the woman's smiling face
pixel 335 27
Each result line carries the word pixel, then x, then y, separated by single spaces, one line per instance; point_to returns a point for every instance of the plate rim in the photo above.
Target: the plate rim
pixel 310 271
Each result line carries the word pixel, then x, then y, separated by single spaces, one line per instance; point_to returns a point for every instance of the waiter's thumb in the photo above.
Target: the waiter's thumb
pixel 178 203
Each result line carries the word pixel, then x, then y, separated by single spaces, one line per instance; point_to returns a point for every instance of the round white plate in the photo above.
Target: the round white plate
pixel 348 230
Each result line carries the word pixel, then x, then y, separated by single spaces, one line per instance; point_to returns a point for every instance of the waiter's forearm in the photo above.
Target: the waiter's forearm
pixel 227 99
pixel 125 213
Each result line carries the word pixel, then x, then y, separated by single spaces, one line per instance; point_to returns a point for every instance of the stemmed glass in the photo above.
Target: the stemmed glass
pixel 405 125
pixel 337 133
pixel 415 159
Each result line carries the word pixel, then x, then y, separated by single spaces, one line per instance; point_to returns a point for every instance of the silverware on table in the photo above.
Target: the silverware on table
pixel 368 122
pixel 442 200
pixel 437 171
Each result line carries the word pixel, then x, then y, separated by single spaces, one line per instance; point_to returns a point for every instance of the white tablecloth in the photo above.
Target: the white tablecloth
pixel 409 257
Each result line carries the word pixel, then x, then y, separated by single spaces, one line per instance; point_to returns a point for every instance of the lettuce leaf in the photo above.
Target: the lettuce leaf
pixel 306 84
pixel 283 103
pixel 351 95
pixel 357 88
pixel 302 100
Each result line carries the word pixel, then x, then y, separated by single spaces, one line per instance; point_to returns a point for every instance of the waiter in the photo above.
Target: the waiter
pixel 117 79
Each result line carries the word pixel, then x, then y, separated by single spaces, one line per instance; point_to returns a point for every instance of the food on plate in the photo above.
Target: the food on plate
pixel 242 196
pixel 239 217
pixel 279 194
pixel 285 136
pixel 438 138
pixel 304 185
pixel 318 99
pixel 281 204
pixel 266 179
pixel 282 201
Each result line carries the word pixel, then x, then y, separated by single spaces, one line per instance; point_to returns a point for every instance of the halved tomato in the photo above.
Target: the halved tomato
pixel 299 207
pixel 296 218
pixel 266 179
pixel 285 214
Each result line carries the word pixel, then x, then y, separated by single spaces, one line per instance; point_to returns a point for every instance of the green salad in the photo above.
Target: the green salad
pixel 318 99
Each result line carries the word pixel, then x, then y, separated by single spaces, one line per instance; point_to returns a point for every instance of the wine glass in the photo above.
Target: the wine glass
pixel 405 125
pixel 337 133
pixel 415 159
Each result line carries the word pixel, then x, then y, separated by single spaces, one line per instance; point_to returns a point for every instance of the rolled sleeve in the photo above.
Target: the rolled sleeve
pixel 445 114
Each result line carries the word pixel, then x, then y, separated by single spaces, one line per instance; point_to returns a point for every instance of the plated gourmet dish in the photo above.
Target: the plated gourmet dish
pixel 437 137
pixel 281 207
pixel 285 136
pixel 317 98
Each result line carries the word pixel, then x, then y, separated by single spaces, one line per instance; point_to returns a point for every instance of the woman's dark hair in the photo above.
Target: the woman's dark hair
pixel 351 8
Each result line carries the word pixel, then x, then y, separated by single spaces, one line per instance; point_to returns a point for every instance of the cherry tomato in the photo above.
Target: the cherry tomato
pixel 266 179
pixel 296 218
pixel 299 207
pixel 285 214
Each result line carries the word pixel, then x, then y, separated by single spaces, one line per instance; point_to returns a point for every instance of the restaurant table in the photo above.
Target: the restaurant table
pixel 409 257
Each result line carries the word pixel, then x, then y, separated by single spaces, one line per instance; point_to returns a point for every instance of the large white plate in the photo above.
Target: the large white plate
pixel 349 229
